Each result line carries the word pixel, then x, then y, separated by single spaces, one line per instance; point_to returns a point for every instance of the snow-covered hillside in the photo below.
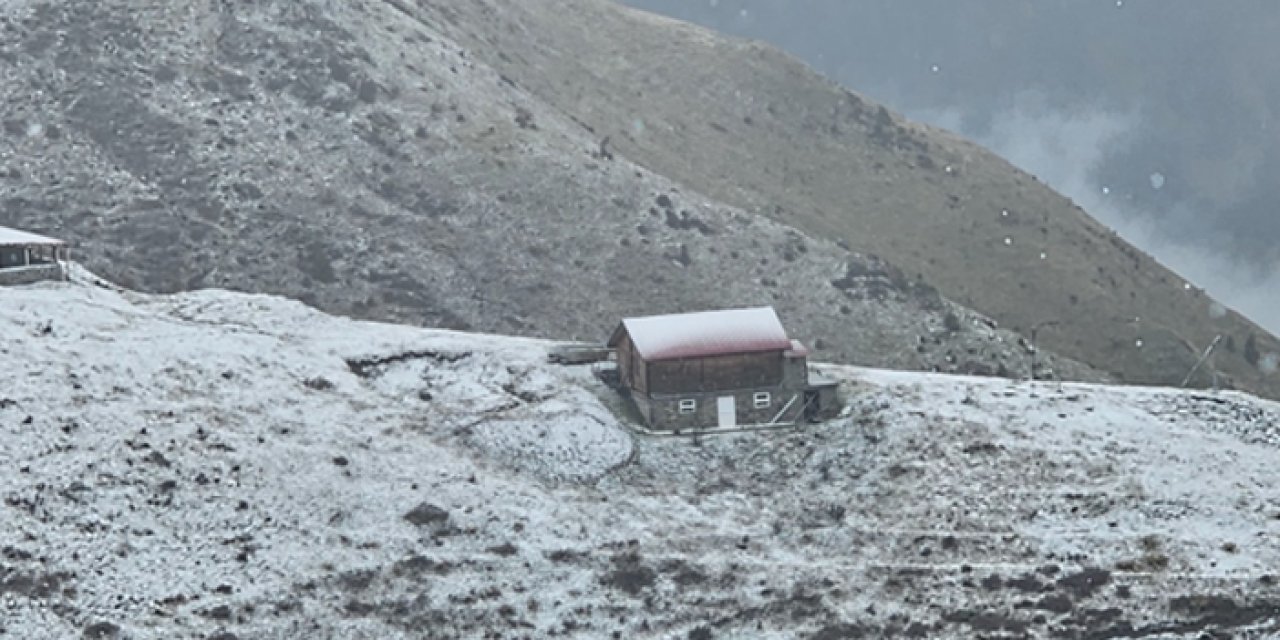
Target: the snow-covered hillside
pixel 214 464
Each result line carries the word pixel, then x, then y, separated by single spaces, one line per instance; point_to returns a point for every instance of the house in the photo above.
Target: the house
pixel 27 257
pixel 734 368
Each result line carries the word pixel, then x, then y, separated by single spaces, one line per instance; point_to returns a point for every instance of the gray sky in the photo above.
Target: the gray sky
pixel 1157 116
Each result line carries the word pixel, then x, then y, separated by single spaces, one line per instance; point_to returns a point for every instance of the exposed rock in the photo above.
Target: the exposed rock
pixel 426 514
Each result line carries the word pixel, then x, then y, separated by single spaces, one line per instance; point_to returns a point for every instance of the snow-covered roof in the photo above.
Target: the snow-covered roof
pixel 14 237
pixel 797 350
pixel 705 333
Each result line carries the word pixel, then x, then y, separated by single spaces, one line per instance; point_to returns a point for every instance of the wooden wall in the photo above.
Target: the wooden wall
pixel 625 354
pixel 632 371
pixel 716 373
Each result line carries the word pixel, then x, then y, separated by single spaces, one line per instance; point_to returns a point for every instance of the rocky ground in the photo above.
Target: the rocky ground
pixel 220 465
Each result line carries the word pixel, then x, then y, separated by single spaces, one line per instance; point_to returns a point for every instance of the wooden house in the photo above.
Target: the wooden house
pixel 734 368
pixel 28 257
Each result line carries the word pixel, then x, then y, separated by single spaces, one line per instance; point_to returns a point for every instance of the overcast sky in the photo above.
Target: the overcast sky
pixel 1154 115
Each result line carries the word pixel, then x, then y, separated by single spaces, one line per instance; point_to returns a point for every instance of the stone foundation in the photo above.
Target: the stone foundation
pixel 663 412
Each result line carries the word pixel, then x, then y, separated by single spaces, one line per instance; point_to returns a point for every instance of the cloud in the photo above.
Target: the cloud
pixel 1066 150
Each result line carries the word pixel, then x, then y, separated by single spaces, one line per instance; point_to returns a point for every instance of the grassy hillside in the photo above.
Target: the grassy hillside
pixel 752 126
pixel 355 156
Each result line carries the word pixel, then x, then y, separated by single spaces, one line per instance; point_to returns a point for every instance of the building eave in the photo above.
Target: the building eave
pixel 16 238
pixel 704 334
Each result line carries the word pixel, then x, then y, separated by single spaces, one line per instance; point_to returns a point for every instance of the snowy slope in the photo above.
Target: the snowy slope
pixel 214 464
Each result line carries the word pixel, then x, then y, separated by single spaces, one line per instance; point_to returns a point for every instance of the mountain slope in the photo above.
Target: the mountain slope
pixel 354 156
pixel 212 464
pixel 753 127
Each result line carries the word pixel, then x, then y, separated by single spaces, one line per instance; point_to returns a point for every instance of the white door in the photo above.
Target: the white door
pixel 726 411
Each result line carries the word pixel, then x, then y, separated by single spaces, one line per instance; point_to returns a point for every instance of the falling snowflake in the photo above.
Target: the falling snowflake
pixel 1138 343
pixel 1008 241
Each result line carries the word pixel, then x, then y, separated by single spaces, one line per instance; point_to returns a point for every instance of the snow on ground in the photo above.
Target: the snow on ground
pixel 214 464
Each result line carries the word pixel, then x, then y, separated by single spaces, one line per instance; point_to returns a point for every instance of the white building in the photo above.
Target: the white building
pixel 29 257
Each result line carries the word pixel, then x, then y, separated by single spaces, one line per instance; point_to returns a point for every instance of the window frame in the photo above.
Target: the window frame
pixel 762 400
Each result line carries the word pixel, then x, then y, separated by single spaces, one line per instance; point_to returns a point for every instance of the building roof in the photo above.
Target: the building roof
pixel 797 350
pixel 13 237
pixel 705 333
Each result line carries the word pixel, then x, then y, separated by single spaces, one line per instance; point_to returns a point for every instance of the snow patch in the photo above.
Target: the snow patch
pixel 171 459
pixel 568 444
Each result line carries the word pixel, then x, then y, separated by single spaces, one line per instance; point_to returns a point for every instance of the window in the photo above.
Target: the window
pixel 761 400
pixel 688 406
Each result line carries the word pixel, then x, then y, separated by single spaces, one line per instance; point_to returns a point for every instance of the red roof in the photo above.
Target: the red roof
pixel 705 333
pixel 797 350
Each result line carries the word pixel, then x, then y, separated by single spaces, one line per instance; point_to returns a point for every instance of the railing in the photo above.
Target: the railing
pixel 784 409
pixel 28 274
